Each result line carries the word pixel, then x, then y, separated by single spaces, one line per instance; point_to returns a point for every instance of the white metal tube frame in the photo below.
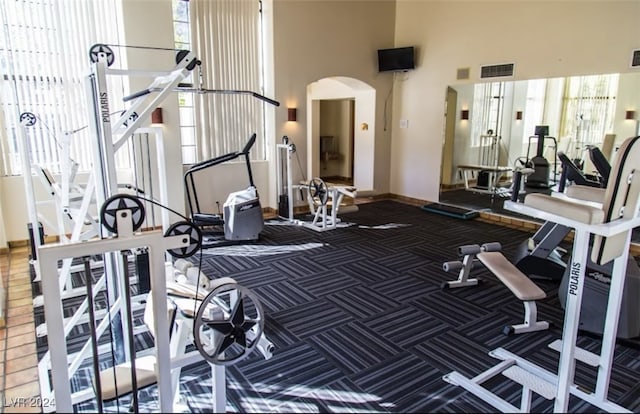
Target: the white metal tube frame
pixel 48 259
pixel 563 382
pixel 287 150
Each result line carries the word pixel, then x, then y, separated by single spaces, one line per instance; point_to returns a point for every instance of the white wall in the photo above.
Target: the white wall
pixel 317 39
pixel 139 20
pixel 628 100
pixel 543 38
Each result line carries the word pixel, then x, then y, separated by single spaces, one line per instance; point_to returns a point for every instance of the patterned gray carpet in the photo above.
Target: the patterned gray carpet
pixel 360 322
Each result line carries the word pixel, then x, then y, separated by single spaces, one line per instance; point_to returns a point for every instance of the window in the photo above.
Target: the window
pixel 588 111
pixel 182 38
pixel 226 35
pixel 488 102
pixel 44 49
pixel 534 108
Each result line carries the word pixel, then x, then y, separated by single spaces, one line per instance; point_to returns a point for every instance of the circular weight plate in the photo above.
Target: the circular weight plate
pixel 109 211
pixel 181 55
pixel 228 324
pixel 192 235
pixel 98 51
pixel 27 119
pixel 319 192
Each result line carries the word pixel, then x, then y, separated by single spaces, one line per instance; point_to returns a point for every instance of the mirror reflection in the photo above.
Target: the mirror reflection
pixel 494 129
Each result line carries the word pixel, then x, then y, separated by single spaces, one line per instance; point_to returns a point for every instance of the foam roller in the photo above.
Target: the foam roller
pixel 193 273
pixel 452 266
pixel 182 265
pixel 491 247
pixel 469 249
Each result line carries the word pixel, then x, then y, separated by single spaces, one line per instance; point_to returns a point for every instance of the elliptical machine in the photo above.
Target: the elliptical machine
pixel 242 219
pixel 540 176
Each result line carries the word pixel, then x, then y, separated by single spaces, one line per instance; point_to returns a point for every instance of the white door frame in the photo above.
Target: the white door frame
pixel 339 87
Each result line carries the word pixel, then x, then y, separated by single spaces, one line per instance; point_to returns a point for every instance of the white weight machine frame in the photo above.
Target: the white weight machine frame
pixel 126 239
pixel 323 220
pixel 170 357
pixel 560 386
pixel 109 138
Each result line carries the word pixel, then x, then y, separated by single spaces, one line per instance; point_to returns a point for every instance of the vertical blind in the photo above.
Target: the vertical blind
pixel 226 37
pixel 488 102
pixel 44 58
pixel 588 110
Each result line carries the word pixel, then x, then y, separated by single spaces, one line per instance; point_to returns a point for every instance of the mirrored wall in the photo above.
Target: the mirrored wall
pixel 495 128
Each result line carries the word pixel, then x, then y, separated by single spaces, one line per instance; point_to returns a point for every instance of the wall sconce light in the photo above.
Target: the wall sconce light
pixel 519 115
pixel 464 114
pixel 156 116
pixel 292 114
pixel 630 115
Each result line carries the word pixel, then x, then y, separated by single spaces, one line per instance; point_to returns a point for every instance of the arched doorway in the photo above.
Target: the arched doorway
pixel 353 104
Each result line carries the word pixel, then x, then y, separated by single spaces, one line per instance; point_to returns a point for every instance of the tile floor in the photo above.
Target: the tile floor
pixel 19 386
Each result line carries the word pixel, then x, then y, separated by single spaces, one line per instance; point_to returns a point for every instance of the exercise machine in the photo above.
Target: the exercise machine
pixel 324 200
pixel 225 321
pixel 488 172
pixel 540 178
pixel 242 219
pixel 115 245
pixel 541 257
pixel 610 226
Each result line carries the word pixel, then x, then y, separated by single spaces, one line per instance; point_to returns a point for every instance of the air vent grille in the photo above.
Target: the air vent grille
pixel 635 59
pixel 462 73
pixel 495 71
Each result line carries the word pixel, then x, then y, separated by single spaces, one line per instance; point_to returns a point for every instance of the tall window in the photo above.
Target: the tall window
pixel 588 110
pixel 488 103
pixel 534 108
pixel 226 35
pixel 44 57
pixel 182 37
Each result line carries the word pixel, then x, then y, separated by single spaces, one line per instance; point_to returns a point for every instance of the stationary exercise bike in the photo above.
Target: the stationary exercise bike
pixel 242 219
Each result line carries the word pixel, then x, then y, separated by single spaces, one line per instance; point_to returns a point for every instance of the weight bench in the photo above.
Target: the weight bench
pixel 520 285
pixel 495 174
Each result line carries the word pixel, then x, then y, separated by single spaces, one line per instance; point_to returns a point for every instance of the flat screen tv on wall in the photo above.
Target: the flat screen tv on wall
pixel 396 59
